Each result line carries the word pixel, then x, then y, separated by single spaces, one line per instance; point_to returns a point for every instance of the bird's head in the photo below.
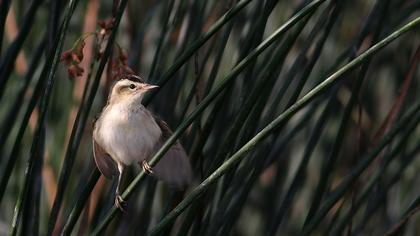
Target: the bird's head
pixel 129 88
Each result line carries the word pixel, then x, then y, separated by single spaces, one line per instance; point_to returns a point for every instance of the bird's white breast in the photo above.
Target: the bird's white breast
pixel 128 133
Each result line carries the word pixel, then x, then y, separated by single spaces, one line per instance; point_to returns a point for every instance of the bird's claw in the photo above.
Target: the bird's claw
pixel 146 167
pixel 120 203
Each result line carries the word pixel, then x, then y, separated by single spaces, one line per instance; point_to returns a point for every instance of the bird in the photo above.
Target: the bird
pixel 126 132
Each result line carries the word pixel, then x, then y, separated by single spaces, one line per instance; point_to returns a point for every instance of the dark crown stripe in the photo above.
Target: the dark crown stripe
pixel 131 77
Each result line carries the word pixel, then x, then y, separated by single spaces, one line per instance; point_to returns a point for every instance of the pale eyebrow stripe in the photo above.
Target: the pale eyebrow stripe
pixel 124 86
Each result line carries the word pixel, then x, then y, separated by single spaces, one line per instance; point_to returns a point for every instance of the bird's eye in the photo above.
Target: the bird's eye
pixel 132 86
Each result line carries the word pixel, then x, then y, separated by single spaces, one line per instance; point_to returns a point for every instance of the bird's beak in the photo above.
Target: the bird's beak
pixel 149 86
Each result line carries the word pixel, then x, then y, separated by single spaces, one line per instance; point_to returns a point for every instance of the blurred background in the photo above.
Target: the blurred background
pixel 347 163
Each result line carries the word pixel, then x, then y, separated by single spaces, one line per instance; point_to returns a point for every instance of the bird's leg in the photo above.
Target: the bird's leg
pixel 119 201
pixel 146 167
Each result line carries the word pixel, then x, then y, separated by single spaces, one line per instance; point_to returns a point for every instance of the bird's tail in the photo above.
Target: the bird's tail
pixel 174 168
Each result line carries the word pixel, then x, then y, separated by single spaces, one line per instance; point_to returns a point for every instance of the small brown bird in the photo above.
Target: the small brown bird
pixel 126 132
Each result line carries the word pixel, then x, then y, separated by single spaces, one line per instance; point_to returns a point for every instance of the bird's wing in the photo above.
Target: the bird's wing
pixel 103 161
pixel 174 168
